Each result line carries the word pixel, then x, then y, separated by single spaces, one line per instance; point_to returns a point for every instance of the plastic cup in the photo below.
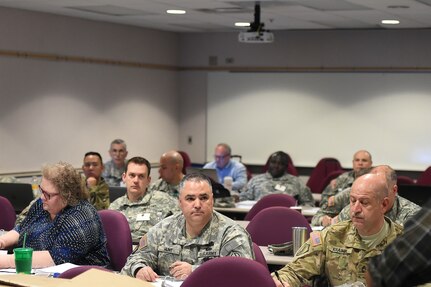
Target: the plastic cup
pixel 23 259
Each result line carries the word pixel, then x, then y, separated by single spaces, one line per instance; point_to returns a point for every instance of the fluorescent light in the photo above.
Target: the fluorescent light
pixel 242 24
pixel 177 12
pixel 390 22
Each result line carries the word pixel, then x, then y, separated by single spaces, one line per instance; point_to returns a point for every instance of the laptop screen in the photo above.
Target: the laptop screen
pixel 210 172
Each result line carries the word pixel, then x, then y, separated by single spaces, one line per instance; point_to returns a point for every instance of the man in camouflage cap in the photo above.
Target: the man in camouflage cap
pixel 276 180
pixel 341 251
pixel 142 208
pixel 171 173
pixel 400 209
pixel 179 244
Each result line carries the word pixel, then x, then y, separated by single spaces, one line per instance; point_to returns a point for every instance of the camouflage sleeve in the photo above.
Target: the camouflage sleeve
pixel 317 218
pixel 99 196
pixel 146 255
pixel 24 213
pixel 236 242
pixel 308 262
pixel 342 198
pixel 344 214
pixel 305 196
pixel 248 194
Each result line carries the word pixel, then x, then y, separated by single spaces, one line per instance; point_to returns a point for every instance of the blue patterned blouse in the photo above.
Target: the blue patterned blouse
pixel 75 235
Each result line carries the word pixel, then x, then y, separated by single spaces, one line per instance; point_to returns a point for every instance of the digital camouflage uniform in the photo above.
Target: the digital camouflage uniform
pixel 146 212
pixel 162 185
pixel 8 179
pixel 337 252
pixel 166 243
pixel 112 174
pixel 264 184
pixel 341 200
pixel 99 194
pixel 402 210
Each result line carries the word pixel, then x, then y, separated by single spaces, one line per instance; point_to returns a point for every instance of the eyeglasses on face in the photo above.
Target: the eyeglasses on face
pixel 221 156
pixel 46 194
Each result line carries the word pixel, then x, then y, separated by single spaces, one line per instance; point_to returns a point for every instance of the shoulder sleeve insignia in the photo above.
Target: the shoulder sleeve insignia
pixel 315 238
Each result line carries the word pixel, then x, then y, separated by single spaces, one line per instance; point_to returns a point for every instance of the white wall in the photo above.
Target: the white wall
pixel 58 110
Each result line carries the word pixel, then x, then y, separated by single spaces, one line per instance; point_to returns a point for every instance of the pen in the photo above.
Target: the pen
pixel 278 277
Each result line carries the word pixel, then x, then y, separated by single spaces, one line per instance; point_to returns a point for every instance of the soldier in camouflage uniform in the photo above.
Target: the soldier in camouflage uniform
pixel 171 173
pixel 362 160
pixel 95 185
pixel 400 209
pixel 142 208
pixel 179 244
pixel 114 168
pixel 8 179
pixel 276 180
pixel 341 252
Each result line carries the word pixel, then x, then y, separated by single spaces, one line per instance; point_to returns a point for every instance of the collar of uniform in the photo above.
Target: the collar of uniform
pixel 206 236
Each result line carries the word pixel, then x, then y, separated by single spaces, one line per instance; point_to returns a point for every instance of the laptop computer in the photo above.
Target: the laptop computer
pixel 19 194
pixel 116 192
pixel 210 172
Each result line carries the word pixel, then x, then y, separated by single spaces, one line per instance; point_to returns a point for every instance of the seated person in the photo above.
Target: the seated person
pixel 8 179
pixel 277 180
pixel 361 161
pixel 180 243
pixel 400 209
pixel 96 186
pixel 341 251
pixel 114 168
pixel 61 226
pixel 141 207
pixel 171 173
pixel 406 261
pixel 225 167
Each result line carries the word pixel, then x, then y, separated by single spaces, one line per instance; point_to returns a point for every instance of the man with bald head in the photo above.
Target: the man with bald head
pixel 400 209
pixel 341 252
pixel 362 160
pixel 170 170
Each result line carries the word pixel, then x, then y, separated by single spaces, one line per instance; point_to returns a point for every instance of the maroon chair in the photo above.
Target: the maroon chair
pixel 323 168
pixel 269 201
pixel 290 169
pixel 71 273
pixel 118 236
pixel 425 177
pixel 329 177
pixel 229 271
pixel 273 225
pixel 402 179
pixel 7 214
pixel 186 160
pixel 258 255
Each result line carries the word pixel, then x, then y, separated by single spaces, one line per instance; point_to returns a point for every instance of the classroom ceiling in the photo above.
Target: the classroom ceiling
pixel 220 15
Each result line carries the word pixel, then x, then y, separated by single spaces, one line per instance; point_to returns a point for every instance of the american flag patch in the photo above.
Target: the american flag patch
pixel 315 238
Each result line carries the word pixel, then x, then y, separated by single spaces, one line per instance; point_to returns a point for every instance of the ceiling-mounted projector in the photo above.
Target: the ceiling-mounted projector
pixel 256 33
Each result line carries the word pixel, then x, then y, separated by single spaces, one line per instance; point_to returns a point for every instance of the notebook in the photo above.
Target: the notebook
pixel 210 172
pixel 19 194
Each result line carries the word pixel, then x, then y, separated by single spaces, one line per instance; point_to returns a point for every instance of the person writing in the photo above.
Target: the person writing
pixel 341 251
pixel 61 226
pixel 180 243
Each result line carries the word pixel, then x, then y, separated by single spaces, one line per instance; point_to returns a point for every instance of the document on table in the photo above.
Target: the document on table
pixel 163 282
pixel 48 270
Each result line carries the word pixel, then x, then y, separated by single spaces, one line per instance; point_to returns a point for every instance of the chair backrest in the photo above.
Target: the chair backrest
pixel 258 255
pixel 425 177
pixel 75 271
pixel 7 214
pixel 402 179
pixel 118 235
pixel 116 192
pixel 186 160
pixel 290 169
pixel 230 272
pixel 19 194
pixel 332 175
pixel 269 201
pixel 273 225
pixel 323 168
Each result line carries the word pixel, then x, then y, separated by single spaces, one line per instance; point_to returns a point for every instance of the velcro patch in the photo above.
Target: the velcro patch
pixel 315 238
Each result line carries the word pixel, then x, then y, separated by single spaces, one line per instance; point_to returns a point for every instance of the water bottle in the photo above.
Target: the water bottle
pixel 35 186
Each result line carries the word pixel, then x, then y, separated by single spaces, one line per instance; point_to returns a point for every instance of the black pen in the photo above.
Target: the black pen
pixel 278 277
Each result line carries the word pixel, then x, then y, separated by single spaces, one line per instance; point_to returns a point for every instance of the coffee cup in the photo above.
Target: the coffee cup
pixel 228 182
pixel 23 259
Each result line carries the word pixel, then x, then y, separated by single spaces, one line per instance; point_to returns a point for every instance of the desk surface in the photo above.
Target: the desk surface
pixel 275 259
pixel 306 210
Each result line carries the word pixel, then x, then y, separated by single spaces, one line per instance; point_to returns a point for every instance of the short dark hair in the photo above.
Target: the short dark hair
pixel 140 161
pixel 194 177
pixel 284 157
pixel 94 153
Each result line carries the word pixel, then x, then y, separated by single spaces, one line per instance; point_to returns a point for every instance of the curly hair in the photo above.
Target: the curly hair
pixel 66 180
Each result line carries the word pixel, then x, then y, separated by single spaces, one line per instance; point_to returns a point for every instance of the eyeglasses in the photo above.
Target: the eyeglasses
pixel 46 194
pixel 221 156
